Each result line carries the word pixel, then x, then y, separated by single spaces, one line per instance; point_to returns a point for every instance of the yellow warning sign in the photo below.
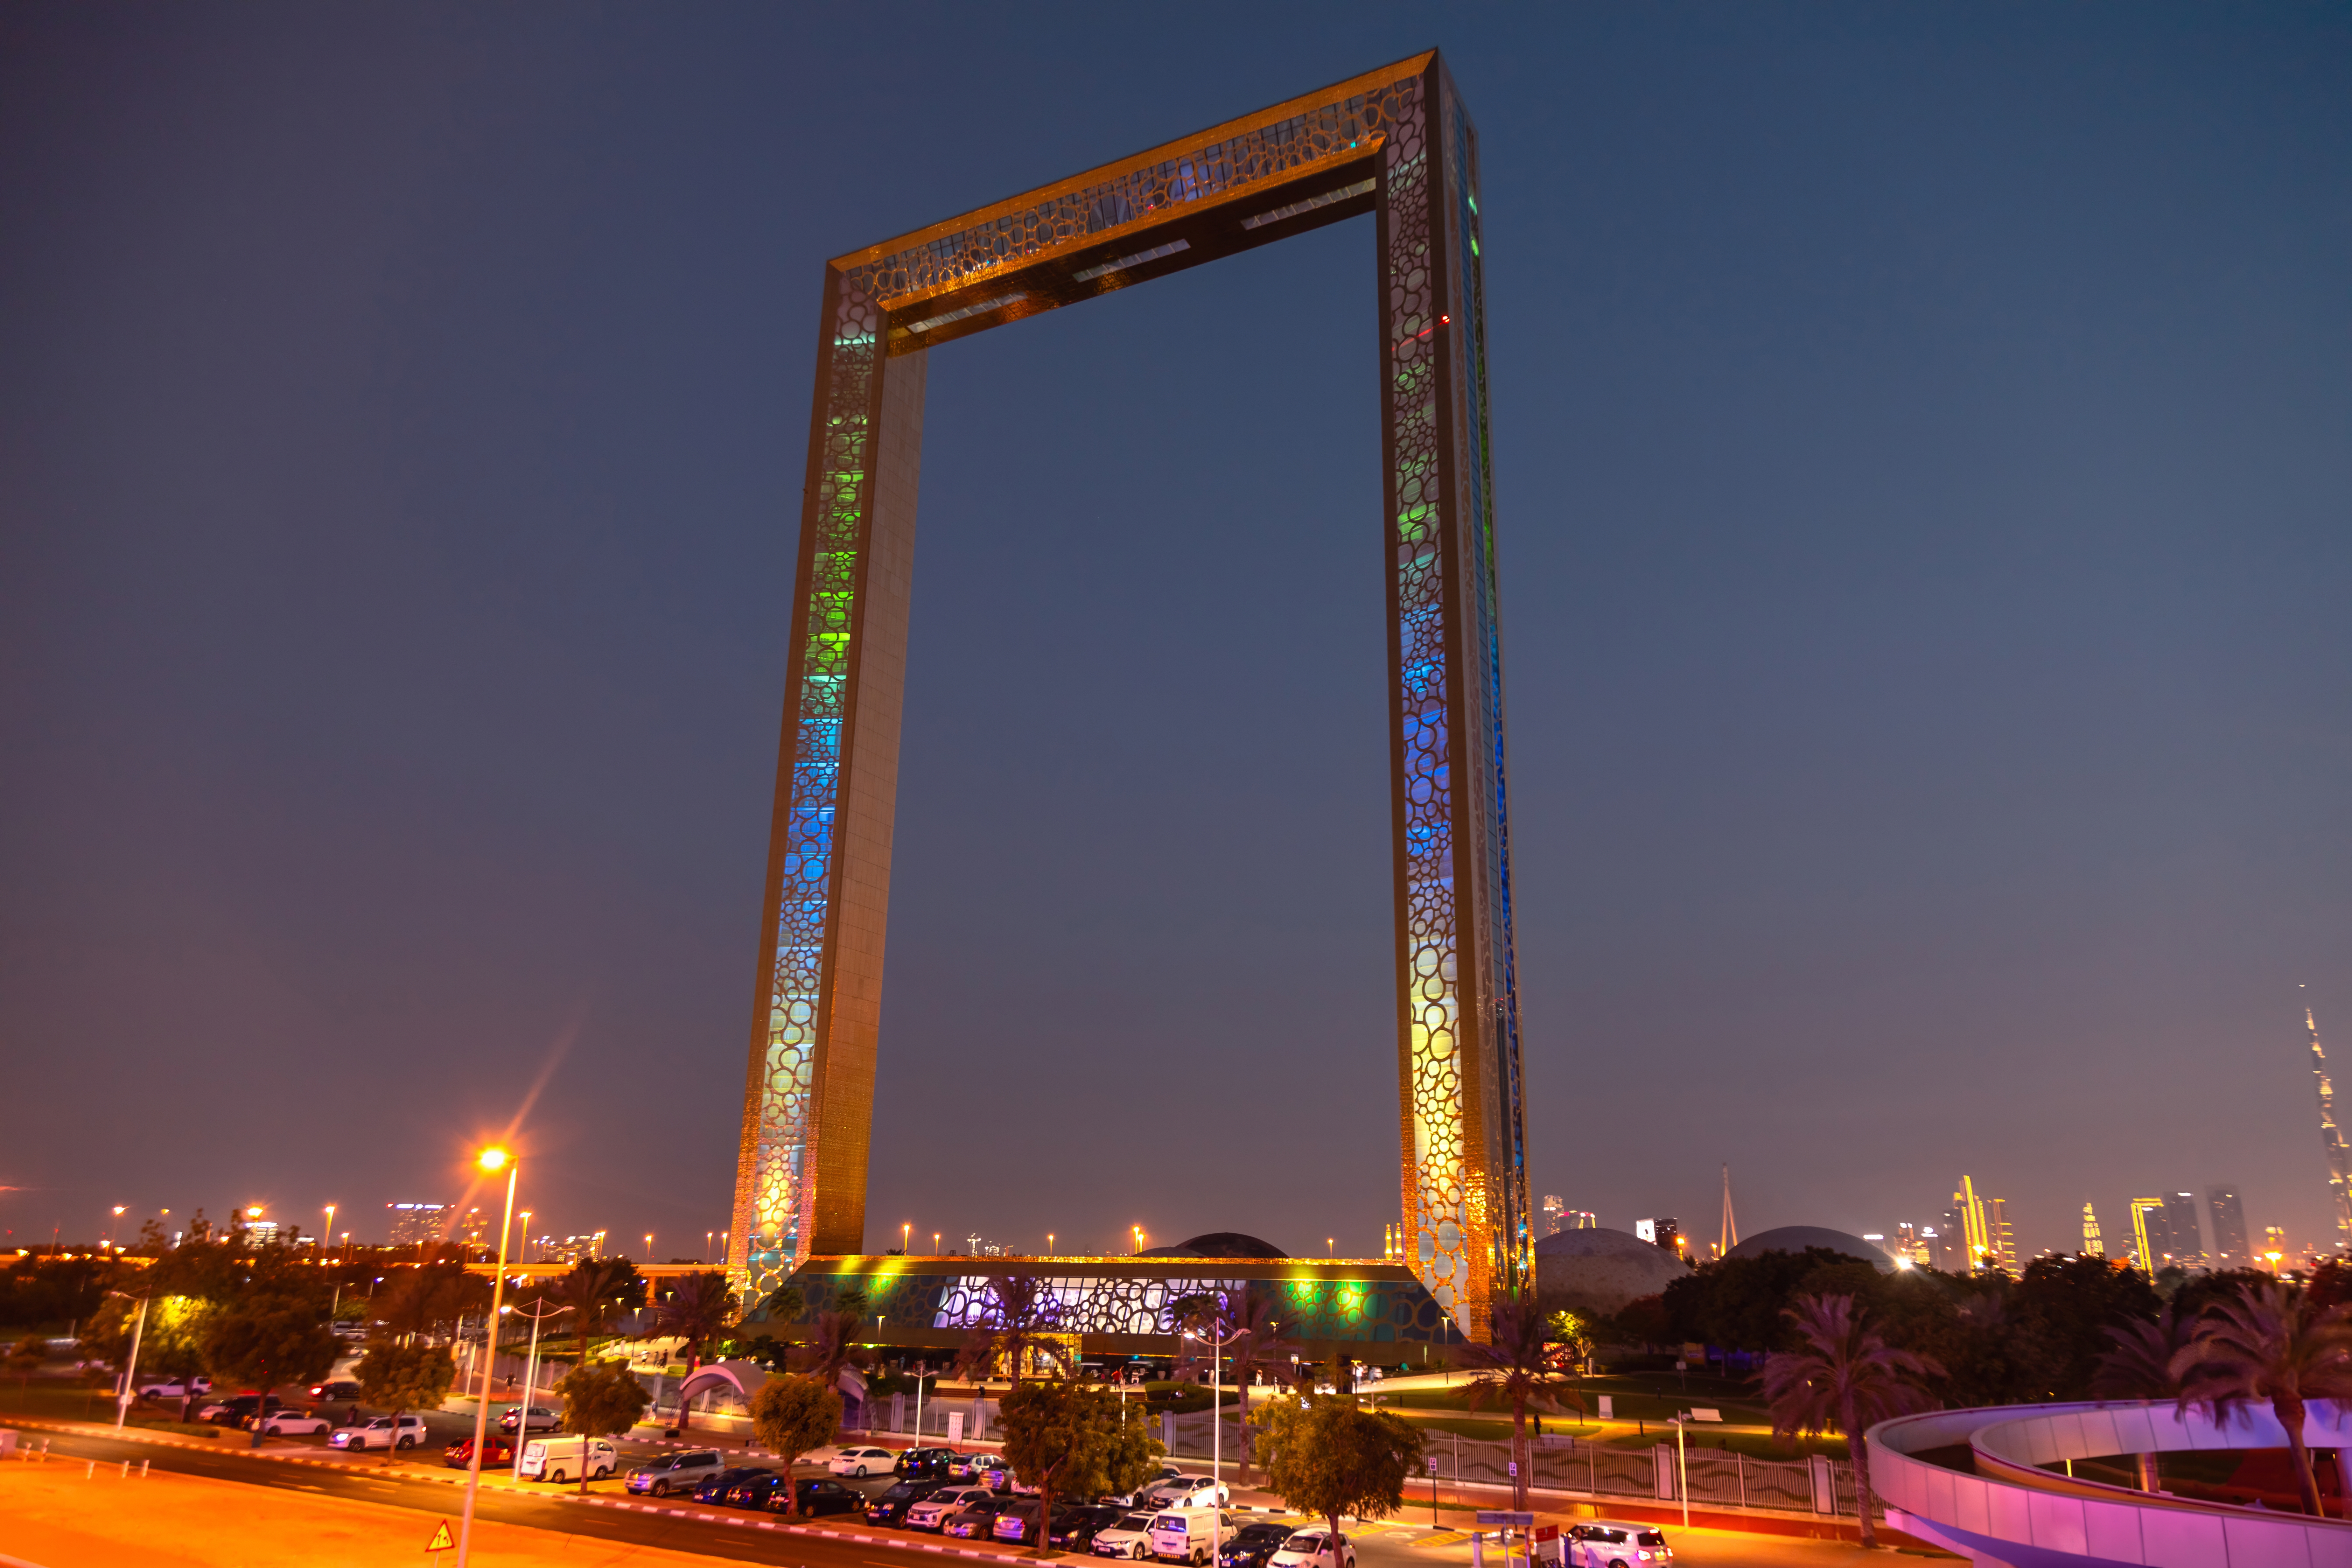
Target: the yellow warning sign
pixel 442 1540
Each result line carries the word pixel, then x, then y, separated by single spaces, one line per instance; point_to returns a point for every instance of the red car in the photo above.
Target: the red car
pixel 496 1450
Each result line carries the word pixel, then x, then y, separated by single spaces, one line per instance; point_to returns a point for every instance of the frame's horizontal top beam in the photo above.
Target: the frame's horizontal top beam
pixel 1103 228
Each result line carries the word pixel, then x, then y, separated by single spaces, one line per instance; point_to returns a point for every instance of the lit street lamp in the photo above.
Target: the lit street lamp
pixel 122 1396
pixel 327 1238
pixel 649 1247
pixel 1217 1428
pixel 491 1161
pixel 530 1378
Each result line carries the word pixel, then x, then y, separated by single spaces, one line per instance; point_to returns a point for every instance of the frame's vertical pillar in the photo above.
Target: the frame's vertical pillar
pixel 800 1179
pixel 1463 1168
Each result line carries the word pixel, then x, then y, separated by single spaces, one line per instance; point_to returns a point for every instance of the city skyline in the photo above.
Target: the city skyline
pixel 1918 474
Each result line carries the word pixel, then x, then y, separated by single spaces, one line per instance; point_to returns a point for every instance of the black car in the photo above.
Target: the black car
pixel 817 1494
pixel 1252 1544
pixel 239 1410
pixel 1074 1528
pixel 338 1388
pixel 890 1506
pixel 976 1521
pixel 925 1462
pixel 715 1488
pixel 754 1490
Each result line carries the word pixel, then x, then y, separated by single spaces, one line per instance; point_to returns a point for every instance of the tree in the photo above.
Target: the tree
pixel 833 1346
pixel 698 1308
pixel 1251 1336
pixel 404 1377
pixel 601 1401
pixel 2269 1343
pixel 1842 1377
pixel 596 1289
pixel 1325 1455
pixel 268 1341
pixel 790 1416
pixel 434 1298
pixel 1063 1437
pixel 24 1359
pixel 1021 1318
pixel 1515 1369
pixel 2140 1367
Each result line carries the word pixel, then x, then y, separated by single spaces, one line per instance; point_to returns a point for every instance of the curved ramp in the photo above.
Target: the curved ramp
pixel 2014 1515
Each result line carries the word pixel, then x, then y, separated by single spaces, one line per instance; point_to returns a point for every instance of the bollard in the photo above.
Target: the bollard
pixel 142 1469
pixel 90 1470
pixel 126 1471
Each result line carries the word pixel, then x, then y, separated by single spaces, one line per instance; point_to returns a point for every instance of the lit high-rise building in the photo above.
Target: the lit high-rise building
pixel 2092 1245
pixel 2331 1138
pixel 2000 1241
pixel 1552 1208
pixel 1976 1239
pixel 2275 1248
pixel 2151 1241
pixel 2230 1248
pixel 2187 1234
pixel 416 1223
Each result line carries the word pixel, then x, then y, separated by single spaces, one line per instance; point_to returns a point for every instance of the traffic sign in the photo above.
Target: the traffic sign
pixel 442 1540
pixel 1505 1519
pixel 1432 1464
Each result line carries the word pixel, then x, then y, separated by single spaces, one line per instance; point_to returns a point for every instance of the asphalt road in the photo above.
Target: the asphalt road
pixel 681 1527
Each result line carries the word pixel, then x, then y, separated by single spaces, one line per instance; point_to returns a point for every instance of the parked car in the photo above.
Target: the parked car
pixel 1075 1530
pixel 1252 1544
pixel 891 1506
pixel 714 1488
pixel 1016 1521
pixel 342 1388
pixel 1188 1534
pixel 232 1412
pixel 817 1495
pixel 931 1513
pixel 384 1432
pixel 1130 1536
pixel 568 1458
pixel 1616 1544
pixel 1313 1549
pixel 988 1469
pixel 976 1518
pixel 925 1462
pixel 754 1490
pixel 543 1419
pixel 1188 1491
pixel 496 1450
pixel 294 1424
pixel 175 1388
pixel 863 1462
pixel 675 1472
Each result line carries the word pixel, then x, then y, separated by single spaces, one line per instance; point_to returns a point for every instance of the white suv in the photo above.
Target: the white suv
pixel 384 1432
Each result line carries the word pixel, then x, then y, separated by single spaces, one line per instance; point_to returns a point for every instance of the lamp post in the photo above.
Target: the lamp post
pixel 1682 1465
pixel 706 1244
pixel 327 1238
pixel 1216 1430
pixel 491 1161
pixel 1049 1244
pixel 530 1378
pixel 649 1247
pixel 524 1251
pixel 935 1244
pixel 130 1372
pixel 905 1237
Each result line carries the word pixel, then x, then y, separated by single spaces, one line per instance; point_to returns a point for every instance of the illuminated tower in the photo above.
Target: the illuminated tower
pixel 2148 1255
pixel 2092 1245
pixel 2000 1239
pixel 2230 1248
pixel 1976 1240
pixel 1730 1225
pixel 2331 1138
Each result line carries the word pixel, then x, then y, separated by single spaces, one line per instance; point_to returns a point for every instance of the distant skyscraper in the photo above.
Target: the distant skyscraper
pixel 2151 1241
pixel 2275 1251
pixel 2187 1235
pixel 1552 1209
pixel 2000 1241
pixel 1967 1216
pixel 2331 1138
pixel 1583 1219
pixel 2092 1245
pixel 2230 1248
pixel 413 1223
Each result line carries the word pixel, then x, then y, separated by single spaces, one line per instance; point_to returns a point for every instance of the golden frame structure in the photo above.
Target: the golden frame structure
pixel 1396 143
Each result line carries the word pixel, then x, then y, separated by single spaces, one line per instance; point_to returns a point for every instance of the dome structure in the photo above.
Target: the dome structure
pixel 1217 1244
pixel 1797 1238
pixel 1597 1272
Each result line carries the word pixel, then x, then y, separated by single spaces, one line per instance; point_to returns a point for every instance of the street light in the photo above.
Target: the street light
pixel 1049 1244
pixel 131 1373
pixel 526 1236
pixel 529 1379
pixel 935 1244
pixel 1138 1237
pixel 491 1161
pixel 118 1214
pixel 905 1237
pixel 649 1247
pixel 328 1238
pixel 1217 1428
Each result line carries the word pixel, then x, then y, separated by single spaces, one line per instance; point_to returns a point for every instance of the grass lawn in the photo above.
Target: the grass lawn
pixel 51 1399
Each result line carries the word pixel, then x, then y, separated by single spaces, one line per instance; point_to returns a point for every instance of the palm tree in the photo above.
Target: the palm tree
pixel 1843 1378
pixel 1238 1331
pixel 594 1290
pixel 2272 1342
pixel 1024 1315
pixel 698 1308
pixel 1515 1368
pixel 2140 1367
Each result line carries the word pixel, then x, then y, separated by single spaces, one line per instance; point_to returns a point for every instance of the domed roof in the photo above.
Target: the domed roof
pixel 1598 1272
pixel 1797 1238
pixel 1230 1243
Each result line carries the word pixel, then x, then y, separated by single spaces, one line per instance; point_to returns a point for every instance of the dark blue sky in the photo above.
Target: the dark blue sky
pixel 1923 436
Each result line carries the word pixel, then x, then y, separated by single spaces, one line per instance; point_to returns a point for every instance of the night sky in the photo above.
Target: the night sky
pixel 1923 443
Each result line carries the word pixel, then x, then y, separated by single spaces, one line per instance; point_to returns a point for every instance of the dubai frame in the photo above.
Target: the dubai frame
pixel 1394 143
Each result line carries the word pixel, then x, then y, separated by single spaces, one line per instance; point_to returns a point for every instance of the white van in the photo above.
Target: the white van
pixel 1189 1535
pixel 564 1458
